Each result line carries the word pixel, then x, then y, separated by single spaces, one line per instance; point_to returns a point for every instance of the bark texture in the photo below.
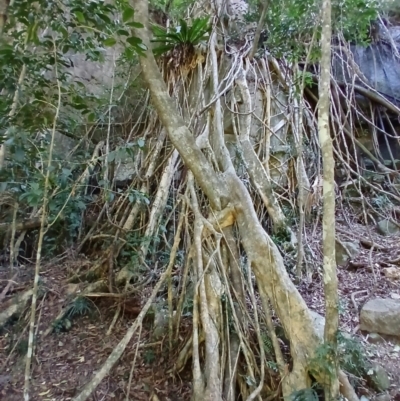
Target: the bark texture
pixel 328 222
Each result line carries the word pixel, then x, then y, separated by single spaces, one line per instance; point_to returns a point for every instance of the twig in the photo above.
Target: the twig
pixel 128 389
pixel 12 241
pixel 371 244
pixel 115 318
pixel 15 346
pixel 353 295
pixel 346 388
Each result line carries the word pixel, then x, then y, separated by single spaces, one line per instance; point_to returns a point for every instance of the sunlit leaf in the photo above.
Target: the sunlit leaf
pixel 80 17
pixel 127 14
pixel 109 42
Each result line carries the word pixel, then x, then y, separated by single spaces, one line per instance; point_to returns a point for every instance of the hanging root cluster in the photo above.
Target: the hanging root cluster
pixel 233 347
pixel 227 269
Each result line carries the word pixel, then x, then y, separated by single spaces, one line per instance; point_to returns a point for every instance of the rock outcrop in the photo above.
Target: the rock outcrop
pixel 345 251
pixel 381 316
pixel 386 227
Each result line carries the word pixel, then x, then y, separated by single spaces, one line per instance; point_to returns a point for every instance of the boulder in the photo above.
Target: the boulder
pixel 125 173
pixel 318 323
pixel 392 273
pixel 346 250
pixel 379 378
pixel 381 315
pixel 160 326
pixel 375 338
pixel 386 227
pixel 383 397
pixel 377 63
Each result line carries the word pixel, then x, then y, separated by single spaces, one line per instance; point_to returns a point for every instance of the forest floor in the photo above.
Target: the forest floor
pixel 65 361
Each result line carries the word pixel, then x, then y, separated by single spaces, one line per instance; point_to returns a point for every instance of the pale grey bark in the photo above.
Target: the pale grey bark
pixel 234 341
pixel 328 222
pixel 209 294
pixel 254 166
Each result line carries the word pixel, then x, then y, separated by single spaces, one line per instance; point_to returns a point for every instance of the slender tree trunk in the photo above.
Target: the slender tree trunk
pixel 260 25
pixel 330 276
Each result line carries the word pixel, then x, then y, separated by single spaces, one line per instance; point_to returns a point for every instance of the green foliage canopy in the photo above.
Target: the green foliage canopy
pixel 36 81
pixel 290 24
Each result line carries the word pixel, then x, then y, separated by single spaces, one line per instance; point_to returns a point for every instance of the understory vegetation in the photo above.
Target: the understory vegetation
pixel 178 152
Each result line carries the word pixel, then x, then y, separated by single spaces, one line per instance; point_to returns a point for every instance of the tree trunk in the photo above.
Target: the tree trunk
pixel 328 223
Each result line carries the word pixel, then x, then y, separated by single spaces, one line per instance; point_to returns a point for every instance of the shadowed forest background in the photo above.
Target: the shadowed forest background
pixel 200 200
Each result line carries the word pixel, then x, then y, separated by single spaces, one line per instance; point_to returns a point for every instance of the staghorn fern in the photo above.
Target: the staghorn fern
pixel 181 35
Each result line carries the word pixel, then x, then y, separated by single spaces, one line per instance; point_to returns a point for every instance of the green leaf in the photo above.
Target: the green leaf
pixel 111 156
pixel 79 106
pixel 129 53
pixel 198 30
pixel 123 32
pixel 183 32
pixel 80 17
pixel 66 172
pixel 105 18
pixel 174 38
pixel 162 49
pixel 127 14
pixel 141 143
pixel 158 31
pixel 19 155
pixel 135 24
pixel 6 50
pixel 110 196
pixel 9 141
pixel 109 42
pixel 81 205
pixel 32 33
pixel 134 41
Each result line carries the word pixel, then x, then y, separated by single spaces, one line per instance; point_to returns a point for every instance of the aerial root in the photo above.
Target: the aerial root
pixel 346 388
